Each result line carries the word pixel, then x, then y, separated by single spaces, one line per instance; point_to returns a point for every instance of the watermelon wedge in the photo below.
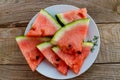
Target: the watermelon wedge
pixel 70 16
pixel 86 48
pixel 74 61
pixel 28 47
pixel 70 37
pixel 45 49
pixel 44 25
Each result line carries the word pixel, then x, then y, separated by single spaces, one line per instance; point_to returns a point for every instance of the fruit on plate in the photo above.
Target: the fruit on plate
pixel 74 61
pixel 72 15
pixel 46 49
pixel 86 48
pixel 70 37
pixel 29 50
pixel 67 47
pixel 44 25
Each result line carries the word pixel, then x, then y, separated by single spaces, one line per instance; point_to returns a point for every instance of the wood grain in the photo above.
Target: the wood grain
pixel 21 11
pixel 9 51
pixel 97 71
pixel 110 43
pixel 15 15
pixel 109 50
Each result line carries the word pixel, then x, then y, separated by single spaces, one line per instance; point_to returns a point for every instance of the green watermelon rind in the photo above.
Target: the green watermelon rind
pixel 85 44
pixel 20 38
pixel 68 27
pixel 51 18
pixel 56 49
pixel 61 19
pixel 44 45
pixel 89 44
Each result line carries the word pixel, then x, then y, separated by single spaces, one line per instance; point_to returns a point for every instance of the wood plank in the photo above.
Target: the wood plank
pixel 110 43
pixel 9 51
pixel 109 51
pixel 21 11
pixel 97 71
pixel 9 33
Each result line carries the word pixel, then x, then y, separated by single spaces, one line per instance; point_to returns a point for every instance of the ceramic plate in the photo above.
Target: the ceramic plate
pixel 45 68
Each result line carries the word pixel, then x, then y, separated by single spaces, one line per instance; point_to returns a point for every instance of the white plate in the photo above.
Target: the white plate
pixel 46 68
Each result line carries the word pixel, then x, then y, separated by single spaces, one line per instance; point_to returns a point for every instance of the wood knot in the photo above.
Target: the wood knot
pixel 118 9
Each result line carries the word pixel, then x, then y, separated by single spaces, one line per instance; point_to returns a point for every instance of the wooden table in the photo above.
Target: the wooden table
pixel 15 15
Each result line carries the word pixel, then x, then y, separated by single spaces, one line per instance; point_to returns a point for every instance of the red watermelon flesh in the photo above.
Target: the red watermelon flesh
pixel 70 37
pixel 72 15
pixel 44 25
pixel 86 48
pixel 74 61
pixel 28 48
pixel 45 49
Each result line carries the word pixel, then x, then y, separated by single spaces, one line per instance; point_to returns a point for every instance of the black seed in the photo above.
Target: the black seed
pixel 57 59
pixel 33 29
pixel 37 57
pixel 69 46
pixel 78 52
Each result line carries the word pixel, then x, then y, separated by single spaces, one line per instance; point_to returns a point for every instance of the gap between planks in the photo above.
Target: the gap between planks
pixel 24 10
pixel 24 24
pixel 97 71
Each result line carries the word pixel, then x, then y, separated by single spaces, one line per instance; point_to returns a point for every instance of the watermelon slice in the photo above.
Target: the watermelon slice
pixel 86 48
pixel 44 25
pixel 28 47
pixel 70 37
pixel 46 50
pixel 70 16
pixel 74 61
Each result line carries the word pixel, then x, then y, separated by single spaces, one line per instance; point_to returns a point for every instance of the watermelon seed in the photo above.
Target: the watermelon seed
pixel 33 28
pixel 43 31
pixel 37 57
pixel 81 15
pixel 69 46
pixel 78 52
pixel 57 59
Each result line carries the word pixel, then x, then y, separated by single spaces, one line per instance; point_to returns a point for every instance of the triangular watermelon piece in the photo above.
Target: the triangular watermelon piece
pixel 28 48
pixel 44 25
pixel 45 49
pixel 72 15
pixel 86 48
pixel 70 37
pixel 74 61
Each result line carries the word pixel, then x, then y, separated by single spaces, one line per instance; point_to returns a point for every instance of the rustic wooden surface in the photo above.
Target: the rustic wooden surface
pixel 15 15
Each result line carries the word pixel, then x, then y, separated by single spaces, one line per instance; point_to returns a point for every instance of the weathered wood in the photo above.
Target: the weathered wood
pixel 19 72
pixel 110 43
pixel 21 11
pixel 9 51
pixel 15 15
pixel 97 71
pixel 9 33
pixel 109 51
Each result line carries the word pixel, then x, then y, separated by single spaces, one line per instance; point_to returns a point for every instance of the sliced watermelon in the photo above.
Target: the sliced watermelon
pixel 74 61
pixel 46 50
pixel 44 25
pixel 86 48
pixel 28 47
pixel 73 15
pixel 70 37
